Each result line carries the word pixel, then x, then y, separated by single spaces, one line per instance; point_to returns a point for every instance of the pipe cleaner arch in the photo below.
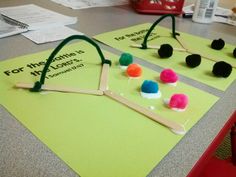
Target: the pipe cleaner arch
pixel 144 44
pixel 38 84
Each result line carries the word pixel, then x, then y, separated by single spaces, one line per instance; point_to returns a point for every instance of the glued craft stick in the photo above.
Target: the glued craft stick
pixel 60 89
pixel 104 77
pixel 209 57
pixel 206 56
pixel 182 43
pixel 156 47
pixel 167 123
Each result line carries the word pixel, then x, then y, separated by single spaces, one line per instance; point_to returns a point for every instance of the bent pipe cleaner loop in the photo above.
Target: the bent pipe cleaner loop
pixel 144 44
pixel 38 84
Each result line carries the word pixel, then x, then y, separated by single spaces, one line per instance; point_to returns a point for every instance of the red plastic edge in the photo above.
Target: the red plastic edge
pixel 145 6
pixel 206 156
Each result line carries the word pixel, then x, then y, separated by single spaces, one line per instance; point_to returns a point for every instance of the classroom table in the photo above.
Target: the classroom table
pixel 22 154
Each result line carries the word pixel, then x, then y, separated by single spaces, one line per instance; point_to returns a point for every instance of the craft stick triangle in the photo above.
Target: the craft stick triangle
pixel 39 85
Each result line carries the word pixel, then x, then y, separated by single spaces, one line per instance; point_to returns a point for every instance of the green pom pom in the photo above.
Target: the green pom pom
pixel 125 59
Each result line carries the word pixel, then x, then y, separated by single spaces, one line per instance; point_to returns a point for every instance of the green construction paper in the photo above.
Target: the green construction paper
pixel 95 135
pixel 122 39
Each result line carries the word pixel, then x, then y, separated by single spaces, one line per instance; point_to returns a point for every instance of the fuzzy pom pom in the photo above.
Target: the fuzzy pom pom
pixel 218 44
pixel 165 51
pixel 168 76
pixel 125 59
pixel 134 70
pixel 222 69
pixel 178 101
pixel 193 60
pixel 234 53
pixel 149 86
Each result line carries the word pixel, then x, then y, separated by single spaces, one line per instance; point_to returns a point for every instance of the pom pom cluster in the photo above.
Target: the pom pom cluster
pixel 134 70
pixel 218 44
pixel 165 51
pixel 193 60
pixel 125 59
pixel 222 69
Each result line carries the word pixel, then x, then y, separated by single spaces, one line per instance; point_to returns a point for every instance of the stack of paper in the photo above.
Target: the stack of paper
pixel 51 34
pixel 32 17
pixel 81 4
pixel 9 30
pixel 35 17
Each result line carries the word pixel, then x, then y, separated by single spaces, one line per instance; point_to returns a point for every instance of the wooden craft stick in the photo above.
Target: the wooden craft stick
pixel 182 43
pixel 60 89
pixel 156 47
pixel 208 56
pixel 190 51
pixel 167 123
pixel 104 77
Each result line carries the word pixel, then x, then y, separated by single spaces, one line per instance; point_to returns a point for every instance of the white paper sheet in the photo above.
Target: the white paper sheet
pixel 81 4
pixel 50 34
pixel 36 17
pixel 9 30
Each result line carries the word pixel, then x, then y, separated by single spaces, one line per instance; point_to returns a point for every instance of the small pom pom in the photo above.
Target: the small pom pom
pixel 149 86
pixel 165 51
pixel 134 70
pixel 218 44
pixel 234 53
pixel 168 76
pixel 222 69
pixel 125 59
pixel 193 60
pixel 178 101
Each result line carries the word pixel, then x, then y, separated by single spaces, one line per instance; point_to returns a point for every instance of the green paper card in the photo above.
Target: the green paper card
pixel 95 135
pixel 122 39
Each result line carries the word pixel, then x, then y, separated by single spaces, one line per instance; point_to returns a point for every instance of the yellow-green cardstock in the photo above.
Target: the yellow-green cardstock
pixel 122 39
pixel 95 135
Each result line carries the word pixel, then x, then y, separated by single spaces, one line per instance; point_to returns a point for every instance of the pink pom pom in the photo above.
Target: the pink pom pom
pixel 168 76
pixel 179 101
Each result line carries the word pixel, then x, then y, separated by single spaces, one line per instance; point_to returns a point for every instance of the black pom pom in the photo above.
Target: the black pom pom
pixel 193 60
pixel 218 44
pixel 234 53
pixel 165 51
pixel 222 69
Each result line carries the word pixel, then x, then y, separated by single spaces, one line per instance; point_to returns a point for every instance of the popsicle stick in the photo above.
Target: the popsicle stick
pixel 60 89
pixel 167 123
pixel 156 47
pixel 206 56
pixel 104 77
pixel 182 43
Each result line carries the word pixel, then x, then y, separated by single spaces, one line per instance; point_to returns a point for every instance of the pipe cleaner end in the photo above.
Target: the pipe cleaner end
pixel 37 87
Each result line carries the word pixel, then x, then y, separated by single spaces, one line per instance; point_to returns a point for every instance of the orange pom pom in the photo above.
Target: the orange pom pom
pixel 134 70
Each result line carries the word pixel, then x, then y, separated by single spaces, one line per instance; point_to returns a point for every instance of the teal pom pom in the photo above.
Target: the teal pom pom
pixel 125 59
pixel 149 86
